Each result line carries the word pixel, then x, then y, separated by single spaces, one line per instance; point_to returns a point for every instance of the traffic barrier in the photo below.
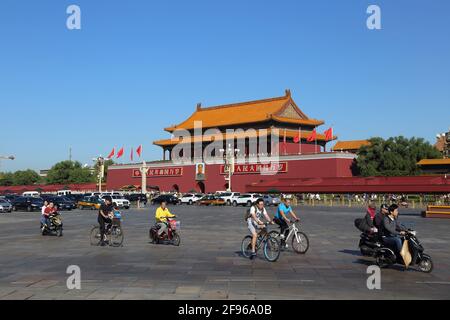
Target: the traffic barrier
pixel 437 212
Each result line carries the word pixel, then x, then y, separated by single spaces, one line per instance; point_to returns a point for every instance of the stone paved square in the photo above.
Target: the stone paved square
pixel 208 264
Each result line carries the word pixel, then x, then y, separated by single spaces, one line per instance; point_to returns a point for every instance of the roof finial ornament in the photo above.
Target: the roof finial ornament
pixel 199 106
pixel 288 92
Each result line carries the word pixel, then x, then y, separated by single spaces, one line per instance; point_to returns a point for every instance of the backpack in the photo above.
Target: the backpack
pixel 247 214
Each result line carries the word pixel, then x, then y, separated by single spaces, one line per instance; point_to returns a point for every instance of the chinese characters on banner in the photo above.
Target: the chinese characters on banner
pixel 280 167
pixel 160 172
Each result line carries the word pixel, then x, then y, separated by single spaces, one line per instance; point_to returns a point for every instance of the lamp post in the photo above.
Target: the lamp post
pixel 100 161
pixel 229 156
pixel 6 158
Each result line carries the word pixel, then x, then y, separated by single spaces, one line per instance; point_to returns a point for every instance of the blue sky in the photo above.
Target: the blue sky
pixel 136 67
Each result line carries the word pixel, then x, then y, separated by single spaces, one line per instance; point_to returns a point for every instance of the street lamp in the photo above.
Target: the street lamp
pixel 7 158
pixel 100 162
pixel 229 159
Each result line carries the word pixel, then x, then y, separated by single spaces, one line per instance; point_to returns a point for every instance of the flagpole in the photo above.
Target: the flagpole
pixel 300 139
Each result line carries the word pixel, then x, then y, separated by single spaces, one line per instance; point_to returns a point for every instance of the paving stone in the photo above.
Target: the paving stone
pixel 208 264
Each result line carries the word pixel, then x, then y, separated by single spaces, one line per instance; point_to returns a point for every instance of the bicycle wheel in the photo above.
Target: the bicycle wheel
pixel 272 249
pixel 95 236
pixel 300 243
pixel 246 246
pixel 116 237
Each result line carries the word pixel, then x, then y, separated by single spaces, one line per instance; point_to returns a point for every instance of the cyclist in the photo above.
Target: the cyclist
pixel 104 217
pixel 281 219
pixel 162 213
pixel 254 222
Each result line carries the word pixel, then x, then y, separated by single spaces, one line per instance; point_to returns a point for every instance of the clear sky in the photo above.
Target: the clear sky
pixel 136 67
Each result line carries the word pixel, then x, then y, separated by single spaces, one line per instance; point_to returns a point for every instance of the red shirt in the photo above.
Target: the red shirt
pixel 48 211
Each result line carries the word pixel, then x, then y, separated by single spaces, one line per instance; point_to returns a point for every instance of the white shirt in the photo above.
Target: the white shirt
pixel 43 209
pixel 259 213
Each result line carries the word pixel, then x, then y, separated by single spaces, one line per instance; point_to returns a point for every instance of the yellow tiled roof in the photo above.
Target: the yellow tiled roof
pixel 428 162
pixel 350 145
pixel 246 112
pixel 238 135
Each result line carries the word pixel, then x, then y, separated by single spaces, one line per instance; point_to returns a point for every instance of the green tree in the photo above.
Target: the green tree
pixel 19 178
pixel 26 177
pixel 396 156
pixel 67 172
pixel 6 179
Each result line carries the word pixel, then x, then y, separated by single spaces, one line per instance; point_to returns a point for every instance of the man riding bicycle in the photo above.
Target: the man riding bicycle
pixel 162 213
pixel 104 217
pixel 281 218
pixel 254 222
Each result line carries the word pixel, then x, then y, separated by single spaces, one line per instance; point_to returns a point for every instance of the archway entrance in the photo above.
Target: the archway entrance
pixel 175 188
pixel 201 187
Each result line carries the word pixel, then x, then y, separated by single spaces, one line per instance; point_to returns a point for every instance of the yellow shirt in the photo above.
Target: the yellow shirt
pixel 163 214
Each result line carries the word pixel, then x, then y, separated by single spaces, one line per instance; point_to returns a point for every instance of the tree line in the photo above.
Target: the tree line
pixel 65 172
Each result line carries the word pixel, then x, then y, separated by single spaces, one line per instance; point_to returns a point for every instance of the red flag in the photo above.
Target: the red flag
pixel 132 155
pixel 120 153
pixel 329 134
pixel 139 151
pixel 313 136
pixel 297 138
pixel 113 152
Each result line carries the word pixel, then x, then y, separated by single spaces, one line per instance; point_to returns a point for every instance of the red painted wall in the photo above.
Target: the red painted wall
pixel 314 168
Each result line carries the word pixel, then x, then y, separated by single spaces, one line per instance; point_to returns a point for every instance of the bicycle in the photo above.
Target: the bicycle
pixel 271 246
pixel 300 241
pixel 113 234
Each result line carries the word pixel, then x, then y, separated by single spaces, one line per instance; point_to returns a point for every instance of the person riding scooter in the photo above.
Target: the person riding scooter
pixel 393 230
pixel 162 213
pixel 379 217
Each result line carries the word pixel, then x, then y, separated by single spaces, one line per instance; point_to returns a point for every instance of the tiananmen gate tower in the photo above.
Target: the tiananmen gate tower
pixel 300 148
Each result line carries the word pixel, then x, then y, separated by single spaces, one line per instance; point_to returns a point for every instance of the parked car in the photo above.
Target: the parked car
pixel 246 199
pixel 170 199
pixel 92 203
pixel 34 194
pixel 28 204
pixel 211 201
pixel 5 206
pixel 10 197
pixel 229 197
pixel 135 197
pixel 65 203
pixel 270 200
pixel 75 197
pixel 119 201
pixel 190 198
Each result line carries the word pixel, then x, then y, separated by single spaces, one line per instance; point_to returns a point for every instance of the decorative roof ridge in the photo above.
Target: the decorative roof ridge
pixel 200 108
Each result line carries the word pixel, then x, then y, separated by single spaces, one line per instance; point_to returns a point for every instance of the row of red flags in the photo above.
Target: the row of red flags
pixel 312 136
pixel 121 152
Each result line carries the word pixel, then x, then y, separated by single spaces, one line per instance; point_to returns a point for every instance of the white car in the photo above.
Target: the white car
pixel 229 197
pixel 190 198
pixel 121 202
pixel 246 199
